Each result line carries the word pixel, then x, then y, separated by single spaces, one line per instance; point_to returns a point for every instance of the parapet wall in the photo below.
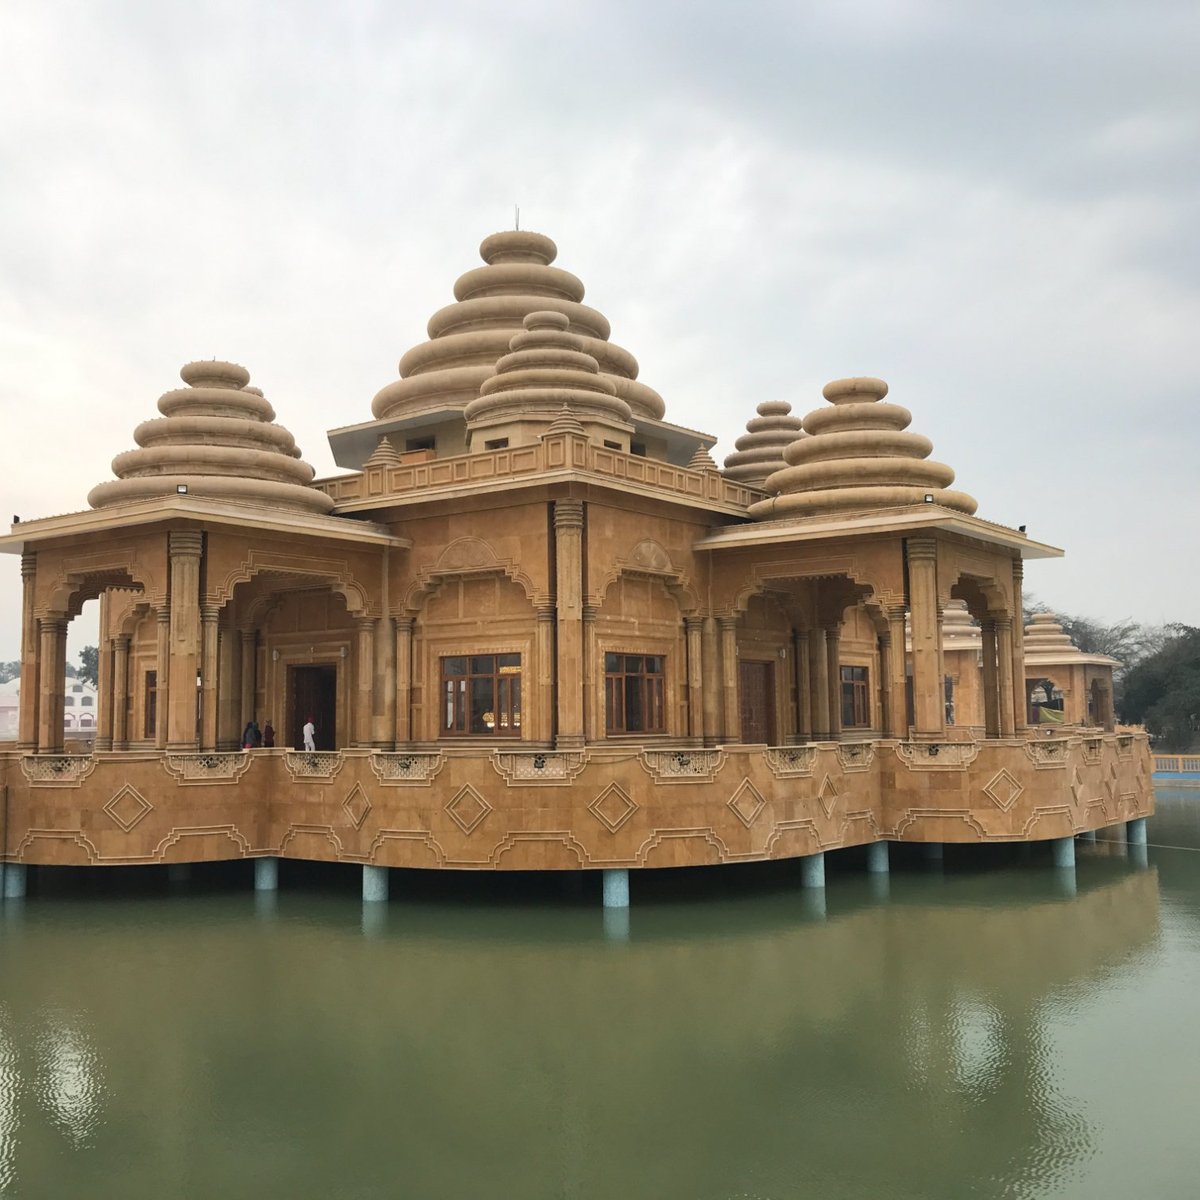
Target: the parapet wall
pixel 502 809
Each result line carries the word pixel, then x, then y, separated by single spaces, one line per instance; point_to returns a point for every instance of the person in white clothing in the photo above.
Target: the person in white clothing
pixel 310 735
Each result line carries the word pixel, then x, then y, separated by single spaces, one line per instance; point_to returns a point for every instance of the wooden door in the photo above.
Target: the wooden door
pixel 756 700
pixel 312 692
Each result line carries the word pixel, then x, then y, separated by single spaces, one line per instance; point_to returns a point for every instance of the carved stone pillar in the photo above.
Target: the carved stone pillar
pixel 729 680
pixel 364 678
pixel 52 632
pixel 384 709
pixel 833 651
pixel 162 675
pixel 543 711
pixel 404 635
pixel 568 553
pixel 818 684
pixel 1004 669
pixel 897 681
pixel 929 706
pixel 120 692
pixel 991 705
pixel 710 646
pixel 593 678
pixel 104 682
pixel 883 687
pixel 184 548
pixel 209 616
pixel 249 656
pixel 695 677
pixel 229 693
pixel 27 728
pixel 1020 724
pixel 804 717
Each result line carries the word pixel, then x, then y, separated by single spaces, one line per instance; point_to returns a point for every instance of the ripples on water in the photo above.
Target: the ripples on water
pixel 966 1032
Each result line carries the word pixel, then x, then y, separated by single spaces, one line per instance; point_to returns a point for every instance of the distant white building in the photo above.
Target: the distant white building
pixel 79 709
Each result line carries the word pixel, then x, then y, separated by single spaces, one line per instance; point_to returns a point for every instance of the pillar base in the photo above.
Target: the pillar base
pixel 812 870
pixel 1135 831
pixel 374 884
pixel 266 874
pixel 877 858
pixel 1064 853
pixel 616 888
pixel 15 875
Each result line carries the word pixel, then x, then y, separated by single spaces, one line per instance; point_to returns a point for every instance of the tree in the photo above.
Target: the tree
pixel 89 665
pixel 9 670
pixel 1163 691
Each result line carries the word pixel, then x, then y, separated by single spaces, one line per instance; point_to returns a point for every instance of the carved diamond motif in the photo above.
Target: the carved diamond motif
pixel 746 802
pixel 467 808
pixel 1003 790
pixel 613 807
pixel 357 805
pixel 828 794
pixel 128 807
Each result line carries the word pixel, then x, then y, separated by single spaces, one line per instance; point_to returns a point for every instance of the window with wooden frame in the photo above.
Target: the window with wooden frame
pixel 856 698
pixel 150 705
pixel 481 695
pixel 635 693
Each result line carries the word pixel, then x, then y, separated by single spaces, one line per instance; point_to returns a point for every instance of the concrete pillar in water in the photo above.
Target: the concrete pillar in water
pixel 934 852
pixel 266 874
pixel 616 924
pixel 616 888
pixel 1088 835
pixel 374 884
pixel 877 858
pixel 1135 832
pixel 1064 852
pixel 812 870
pixel 14 881
pixel 178 873
pixel 1139 855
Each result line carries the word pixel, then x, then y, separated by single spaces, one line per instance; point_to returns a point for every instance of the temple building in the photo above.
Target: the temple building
pixel 534 625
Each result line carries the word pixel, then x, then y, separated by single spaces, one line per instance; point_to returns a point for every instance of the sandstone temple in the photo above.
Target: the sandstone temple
pixel 535 626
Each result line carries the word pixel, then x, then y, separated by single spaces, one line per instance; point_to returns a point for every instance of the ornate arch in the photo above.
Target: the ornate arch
pixel 764 575
pixel 334 573
pixel 467 558
pixel 650 560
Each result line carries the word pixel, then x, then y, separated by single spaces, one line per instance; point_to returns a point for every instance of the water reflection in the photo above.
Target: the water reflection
pixel 782 1043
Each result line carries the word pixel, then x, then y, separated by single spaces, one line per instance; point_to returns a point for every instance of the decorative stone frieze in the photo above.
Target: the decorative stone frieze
pixel 937 756
pixel 407 767
pixel 682 766
pixel 538 766
pixel 1048 752
pixel 317 766
pixel 57 770
pixel 791 762
pixel 211 767
pixel 856 756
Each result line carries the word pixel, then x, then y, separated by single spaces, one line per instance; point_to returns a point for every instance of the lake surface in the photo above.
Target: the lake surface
pixel 974 1030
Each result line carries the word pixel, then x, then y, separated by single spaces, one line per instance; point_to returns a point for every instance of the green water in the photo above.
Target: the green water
pixel 971 1033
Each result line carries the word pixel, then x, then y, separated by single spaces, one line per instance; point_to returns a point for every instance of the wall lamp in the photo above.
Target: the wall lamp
pixel 181 489
pixel 928 498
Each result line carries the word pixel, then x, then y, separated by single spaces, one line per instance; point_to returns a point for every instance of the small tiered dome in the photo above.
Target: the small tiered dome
pixel 959 631
pixel 467 337
pixel 858 457
pixel 1044 635
pixel 547 368
pixel 759 451
pixel 216 438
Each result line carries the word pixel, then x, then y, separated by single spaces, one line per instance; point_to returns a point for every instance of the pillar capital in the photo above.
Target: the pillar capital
pixel 691 624
pixel 1018 569
pixel 568 514
pixel 922 548
pixel 404 624
pixel 1002 621
pixel 121 641
pixel 185 543
pixel 728 624
pixel 590 613
pixel 248 636
pixel 547 612
pixel 163 615
pixel 210 614
pixel 896 612
pixel 28 564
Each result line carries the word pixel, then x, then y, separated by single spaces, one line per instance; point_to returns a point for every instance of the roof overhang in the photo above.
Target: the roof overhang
pixel 886 521
pixel 260 518
pixel 352 445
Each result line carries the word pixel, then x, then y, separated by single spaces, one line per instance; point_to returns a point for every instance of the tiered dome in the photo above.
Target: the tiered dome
pixel 959 631
pixel 759 451
pixel 217 439
pixel 858 457
pixel 1044 635
pixel 468 337
pixel 547 367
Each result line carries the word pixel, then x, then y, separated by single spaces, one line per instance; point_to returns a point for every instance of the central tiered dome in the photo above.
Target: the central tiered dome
pixel 860 457
pixel 467 338
pixel 758 453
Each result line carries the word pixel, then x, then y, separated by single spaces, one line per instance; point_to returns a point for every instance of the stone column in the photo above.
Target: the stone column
pixel 543 703
pixel 833 651
pixel 162 675
pixel 593 678
pixel 818 684
pixel 884 691
pixel 404 634
pixel 384 716
pixel 568 557
pixel 1020 721
pixel 229 689
pixel 729 680
pixel 897 682
pixel 1004 666
pixel 184 547
pixel 616 887
pixel 991 707
pixel 249 638
pixel 364 679
pixel 695 677
pixel 711 664
pixel 120 692
pixel 27 730
pixel 209 615
pixel 104 680
pixel 52 632
pixel 804 717
pixel 929 706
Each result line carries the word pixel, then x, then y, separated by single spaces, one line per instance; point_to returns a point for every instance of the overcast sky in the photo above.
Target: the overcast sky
pixel 995 207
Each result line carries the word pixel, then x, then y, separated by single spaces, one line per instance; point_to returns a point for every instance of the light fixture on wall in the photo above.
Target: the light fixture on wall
pixel 181 489
pixel 342 652
pixel 928 497
pixel 275 654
